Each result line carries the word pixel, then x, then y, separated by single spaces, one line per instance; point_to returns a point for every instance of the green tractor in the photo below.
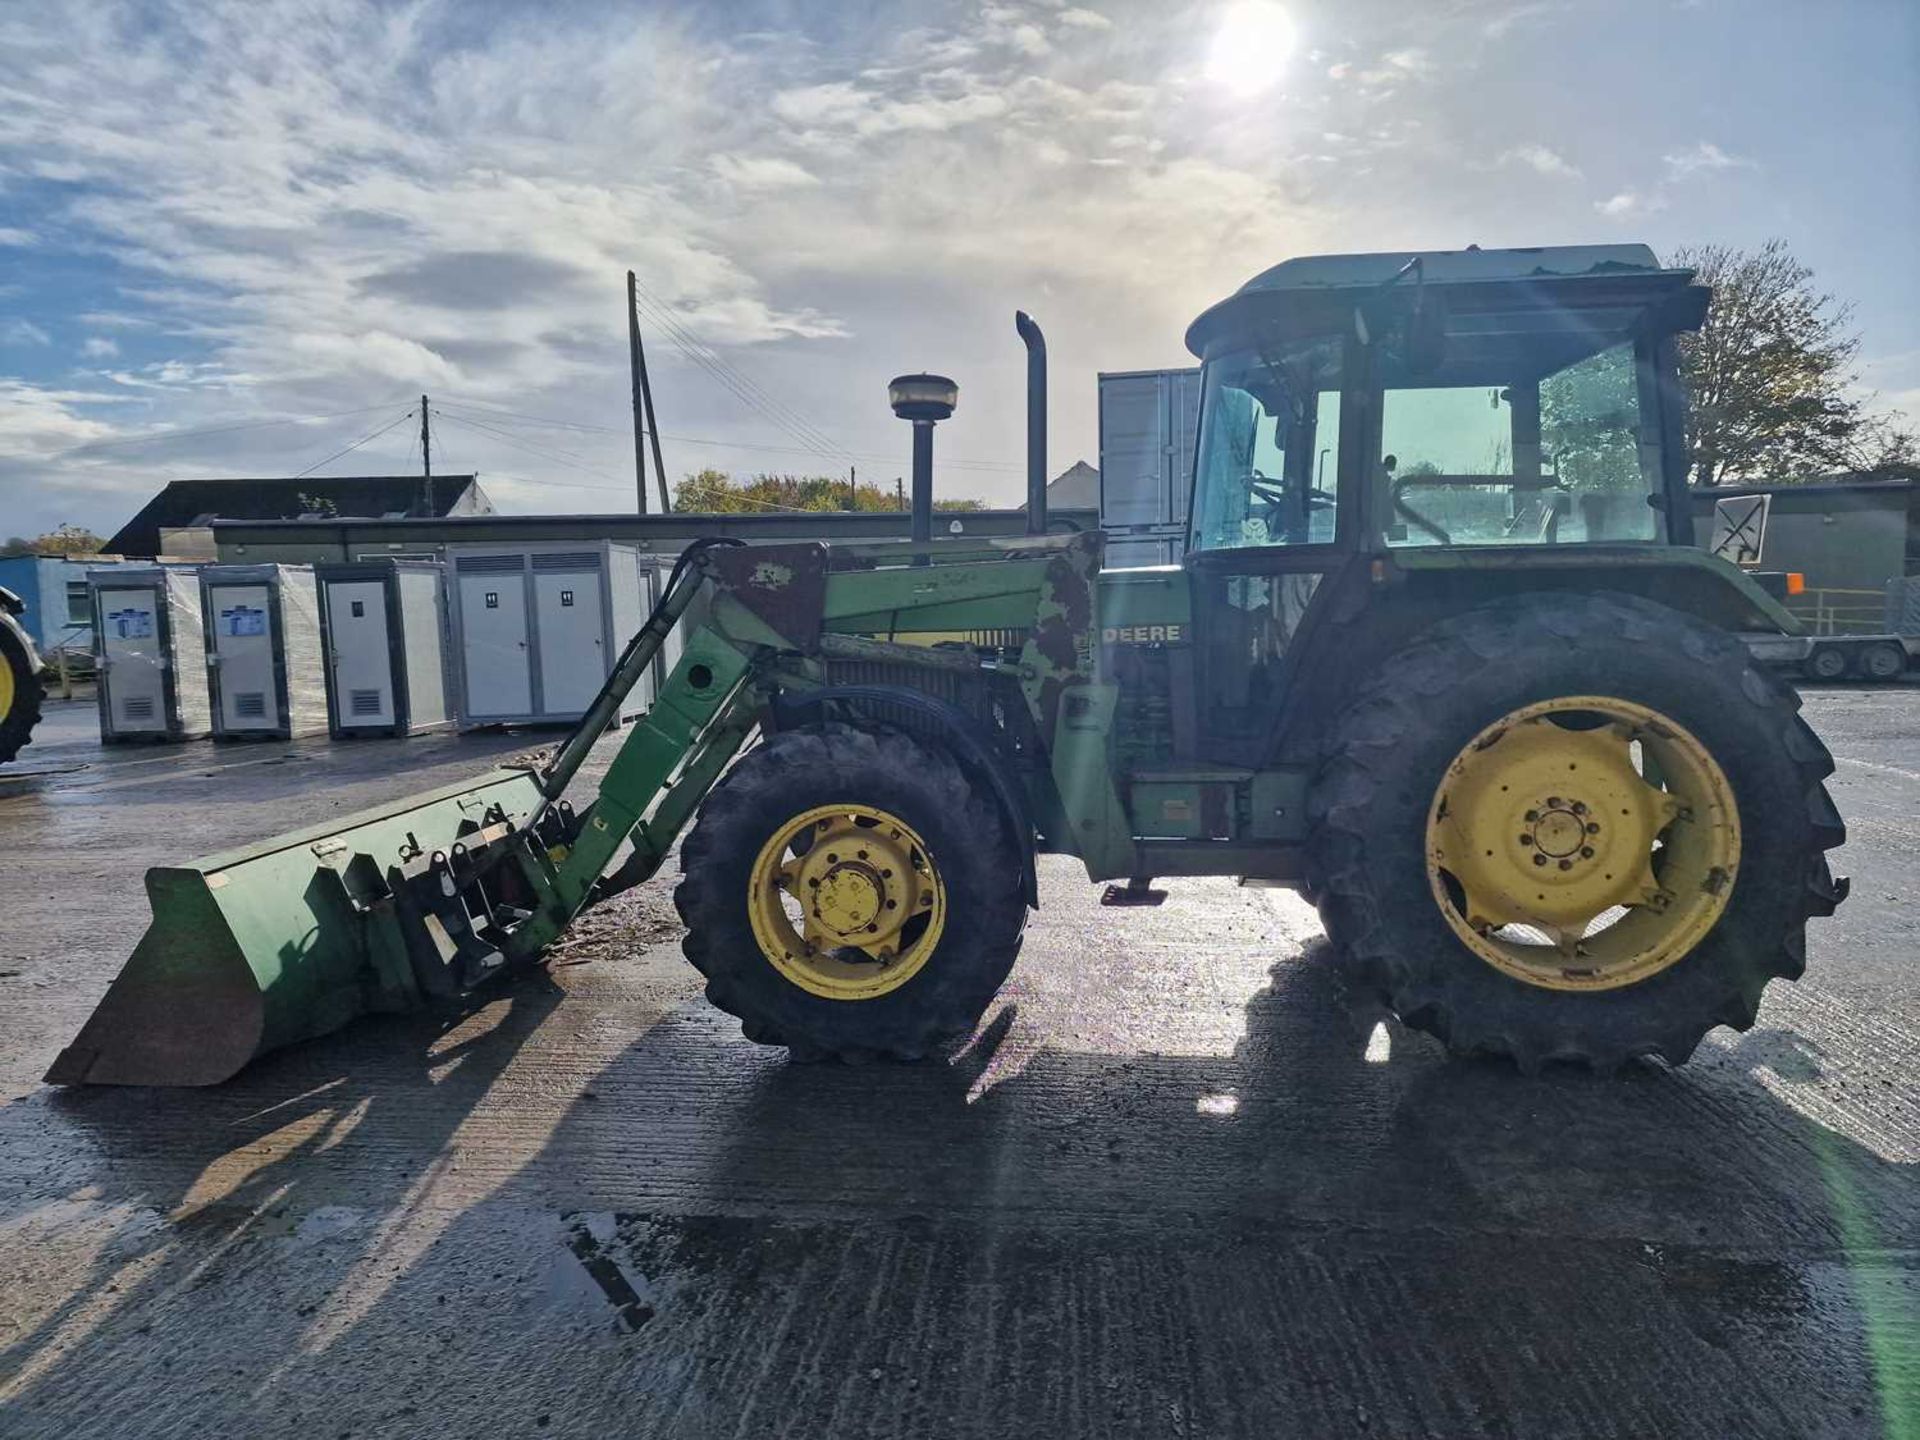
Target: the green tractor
pixel 21 688
pixel 1441 653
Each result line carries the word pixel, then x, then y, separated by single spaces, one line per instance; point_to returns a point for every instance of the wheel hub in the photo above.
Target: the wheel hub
pixel 846 902
pixel 1544 835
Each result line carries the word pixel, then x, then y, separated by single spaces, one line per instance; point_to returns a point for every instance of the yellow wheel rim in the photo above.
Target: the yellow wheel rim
pixel 6 685
pixel 846 902
pixel 1585 843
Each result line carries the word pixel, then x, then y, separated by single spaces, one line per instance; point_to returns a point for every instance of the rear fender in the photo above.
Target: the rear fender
pixel 971 743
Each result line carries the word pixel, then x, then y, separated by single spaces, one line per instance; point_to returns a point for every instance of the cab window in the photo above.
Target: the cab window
pixel 1268 466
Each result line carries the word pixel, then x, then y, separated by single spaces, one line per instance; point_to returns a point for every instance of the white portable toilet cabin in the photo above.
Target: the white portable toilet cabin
pixel 265 667
pixel 537 628
pixel 149 653
pixel 384 623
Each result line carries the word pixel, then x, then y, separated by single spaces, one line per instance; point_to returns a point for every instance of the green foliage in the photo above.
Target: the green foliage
pixel 67 540
pixel 1771 376
pixel 1589 424
pixel 715 492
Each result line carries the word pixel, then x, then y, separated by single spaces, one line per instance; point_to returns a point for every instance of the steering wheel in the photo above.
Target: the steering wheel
pixel 1277 498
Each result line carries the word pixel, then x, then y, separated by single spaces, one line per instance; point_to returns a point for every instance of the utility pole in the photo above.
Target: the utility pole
pixel 426 461
pixel 899 493
pixel 644 421
pixel 853 490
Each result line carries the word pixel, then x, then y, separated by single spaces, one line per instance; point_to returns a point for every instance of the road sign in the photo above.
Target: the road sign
pixel 1740 527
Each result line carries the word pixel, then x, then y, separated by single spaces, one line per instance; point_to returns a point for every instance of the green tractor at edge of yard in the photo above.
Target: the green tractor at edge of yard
pixel 21 689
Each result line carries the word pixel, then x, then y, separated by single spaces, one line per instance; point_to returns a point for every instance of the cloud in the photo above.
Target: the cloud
pixel 832 103
pixel 99 347
pixel 1079 18
pixel 1703 157
pixel 476 280
pixel 17 331
pixel 1542 159
pixel 1029 40
pixel 762 172
pixel 15 238
pixel 1631 205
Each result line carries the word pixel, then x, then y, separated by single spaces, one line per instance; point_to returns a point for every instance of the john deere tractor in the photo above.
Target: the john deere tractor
pixel 21 690
pixel 1441 653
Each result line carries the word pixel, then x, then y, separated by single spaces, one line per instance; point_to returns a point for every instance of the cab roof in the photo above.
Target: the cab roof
pixel 1305 293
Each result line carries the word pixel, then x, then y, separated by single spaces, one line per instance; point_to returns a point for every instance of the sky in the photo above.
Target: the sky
pixel 237 238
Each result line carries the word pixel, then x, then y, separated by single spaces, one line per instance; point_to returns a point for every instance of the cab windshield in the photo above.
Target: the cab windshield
pixel 1527 427
pixel 1267 471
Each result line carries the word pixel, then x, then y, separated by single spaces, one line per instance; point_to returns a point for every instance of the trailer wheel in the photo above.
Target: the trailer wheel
pixel 1883 661
pixel 1579 828
pixel 1827 662
pixel 849 893
pixel 21 693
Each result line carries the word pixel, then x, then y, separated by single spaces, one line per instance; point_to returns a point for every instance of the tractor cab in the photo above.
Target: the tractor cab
pixel 1430 418
pixel 1465 398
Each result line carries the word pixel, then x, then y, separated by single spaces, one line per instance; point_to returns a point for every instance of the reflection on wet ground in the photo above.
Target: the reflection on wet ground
pixel 1183 1182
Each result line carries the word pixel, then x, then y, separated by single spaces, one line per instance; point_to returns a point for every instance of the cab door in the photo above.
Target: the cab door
pixel 1272 520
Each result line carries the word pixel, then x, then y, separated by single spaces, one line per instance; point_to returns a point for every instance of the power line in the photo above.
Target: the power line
pixel 742 385
pixel 996 466
pixel 521 445
pixel 156 437
pixel 374 435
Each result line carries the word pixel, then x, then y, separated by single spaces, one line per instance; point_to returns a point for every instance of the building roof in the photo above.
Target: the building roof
pixel 183 503
pixel 1075 488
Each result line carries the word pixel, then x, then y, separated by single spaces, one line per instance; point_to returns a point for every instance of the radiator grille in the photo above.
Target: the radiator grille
pixel 363 702
pixel 250 704
pixel 137 707
pixel 567 560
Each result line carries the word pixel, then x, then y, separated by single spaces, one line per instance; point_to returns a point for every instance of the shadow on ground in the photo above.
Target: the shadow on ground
pixel 1331 1230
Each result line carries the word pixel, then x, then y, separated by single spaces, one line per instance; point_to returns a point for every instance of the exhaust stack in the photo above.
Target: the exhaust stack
pixel 1036 421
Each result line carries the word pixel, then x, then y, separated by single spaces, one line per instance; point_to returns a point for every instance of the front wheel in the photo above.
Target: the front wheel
pixel 1575 827
pixel 20 693
pixel 851 893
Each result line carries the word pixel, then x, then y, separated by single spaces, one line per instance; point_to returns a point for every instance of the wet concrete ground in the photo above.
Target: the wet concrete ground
pixel 1181 1184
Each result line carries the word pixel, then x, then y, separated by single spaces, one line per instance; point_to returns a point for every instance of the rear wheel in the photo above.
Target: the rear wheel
pixel 20 694
pixel 1827 662
pixel 1883 661
pixel 851 893
pixel 1577 827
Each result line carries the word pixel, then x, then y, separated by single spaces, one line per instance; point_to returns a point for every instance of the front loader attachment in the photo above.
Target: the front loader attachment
pixel 290 939
pixel 420 900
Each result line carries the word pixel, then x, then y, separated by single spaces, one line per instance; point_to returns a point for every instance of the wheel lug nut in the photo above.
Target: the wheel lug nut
pixel 1566 864
pixel 1553 802
pixel 1586 852
pixel 1539 859
pixel 1526 839
pixel 1532 815
pixel 832 859
pixel 1592 829
pixel 1579 807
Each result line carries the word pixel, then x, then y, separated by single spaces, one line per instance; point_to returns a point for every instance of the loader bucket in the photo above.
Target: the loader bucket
pixel 282 941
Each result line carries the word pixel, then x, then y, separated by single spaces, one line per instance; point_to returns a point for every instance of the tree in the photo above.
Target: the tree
pixel 67 540
pixel 1771 376
pixel 716 493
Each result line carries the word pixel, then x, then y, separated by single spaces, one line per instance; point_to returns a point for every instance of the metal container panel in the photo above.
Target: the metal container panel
pixel 149 653
pixel 1149 427
pixel 265 659
pixel 386 662
pixel 536 629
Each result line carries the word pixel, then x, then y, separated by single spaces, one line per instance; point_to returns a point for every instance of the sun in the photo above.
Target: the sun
pixel 1250 48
